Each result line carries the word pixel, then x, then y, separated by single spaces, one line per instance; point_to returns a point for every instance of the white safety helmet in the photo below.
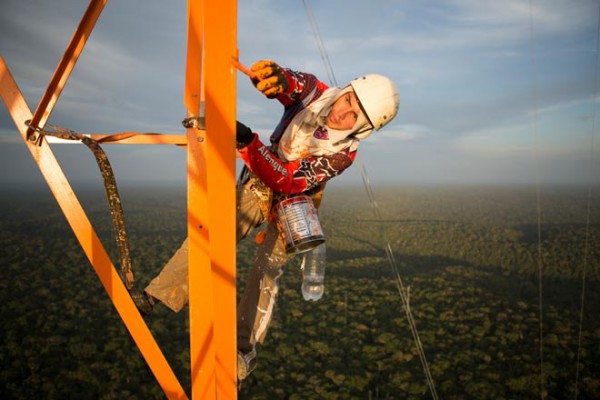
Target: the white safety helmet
pixel 378 97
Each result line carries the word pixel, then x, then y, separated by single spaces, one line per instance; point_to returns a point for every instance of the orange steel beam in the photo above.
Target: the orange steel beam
pixel 93 248
pixel 220 32
pixel 140 138
pixel 128 138
pixel 211 198
pixel 201 310
pixel 66 64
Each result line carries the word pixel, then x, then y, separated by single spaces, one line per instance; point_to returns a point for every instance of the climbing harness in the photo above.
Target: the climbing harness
pixel 110 185
pixel 263 193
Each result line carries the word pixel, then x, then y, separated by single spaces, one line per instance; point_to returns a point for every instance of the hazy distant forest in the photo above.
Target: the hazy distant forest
pixel 470 257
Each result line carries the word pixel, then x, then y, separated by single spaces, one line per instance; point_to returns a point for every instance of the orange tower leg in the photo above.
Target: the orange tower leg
pixel 211 198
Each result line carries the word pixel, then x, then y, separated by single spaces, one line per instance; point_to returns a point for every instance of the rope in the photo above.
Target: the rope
pixel 320 44
pixel 388 248
pixel 110 186
pixel 588 211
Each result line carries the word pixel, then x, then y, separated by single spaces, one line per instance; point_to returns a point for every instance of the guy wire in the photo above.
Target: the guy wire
pixel 589 206
pixel 399 284
pixel 319 39
pixel 534 101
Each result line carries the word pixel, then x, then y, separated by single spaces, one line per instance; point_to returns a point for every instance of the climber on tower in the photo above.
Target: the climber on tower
pixel 316 139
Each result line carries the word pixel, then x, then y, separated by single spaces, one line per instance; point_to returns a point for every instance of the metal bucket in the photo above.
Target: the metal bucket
pixel 300 224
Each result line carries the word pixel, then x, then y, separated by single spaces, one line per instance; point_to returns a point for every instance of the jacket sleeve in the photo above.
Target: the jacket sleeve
pixel 302 88
pixel 296 176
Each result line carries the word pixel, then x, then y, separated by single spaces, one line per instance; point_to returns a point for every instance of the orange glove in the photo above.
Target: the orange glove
pixel 271 78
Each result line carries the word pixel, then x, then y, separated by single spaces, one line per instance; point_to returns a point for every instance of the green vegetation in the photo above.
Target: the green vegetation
pixel 469 256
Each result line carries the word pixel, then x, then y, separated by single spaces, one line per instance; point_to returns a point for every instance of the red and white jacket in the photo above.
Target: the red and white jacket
pixel 305 174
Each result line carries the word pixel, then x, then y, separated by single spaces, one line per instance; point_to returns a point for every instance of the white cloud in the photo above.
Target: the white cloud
pixel 497 142
pixel 405 133
pixel 523 141
pixel 466 24
pixel 548 17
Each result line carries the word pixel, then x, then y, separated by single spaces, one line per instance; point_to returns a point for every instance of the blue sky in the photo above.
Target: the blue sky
pixel 486 96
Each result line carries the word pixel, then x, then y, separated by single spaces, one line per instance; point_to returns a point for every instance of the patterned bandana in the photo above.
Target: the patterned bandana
pixel 307 135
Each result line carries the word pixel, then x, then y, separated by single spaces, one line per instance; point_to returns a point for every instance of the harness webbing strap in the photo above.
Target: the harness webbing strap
pixel 112 194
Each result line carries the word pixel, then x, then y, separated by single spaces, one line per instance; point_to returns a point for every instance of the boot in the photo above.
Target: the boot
pixel 246 363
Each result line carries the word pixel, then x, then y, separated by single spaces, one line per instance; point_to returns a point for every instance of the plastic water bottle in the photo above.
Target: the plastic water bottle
pixel 313 272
